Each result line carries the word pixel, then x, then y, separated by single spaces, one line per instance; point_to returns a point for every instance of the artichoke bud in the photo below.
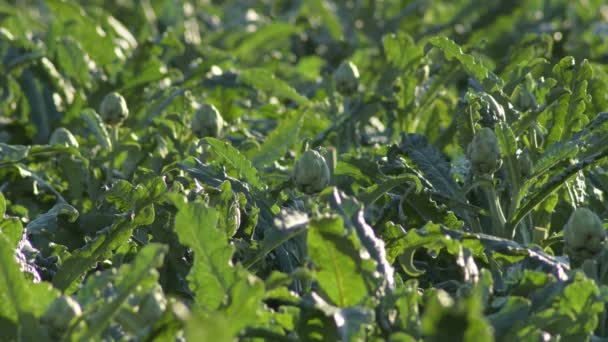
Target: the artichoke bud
pixel 207 122
pixel 584 235
pixel 484 152
pixel 60 313
pixel 113 109
pixel 62 136
pixel 346 78
pixel 311 173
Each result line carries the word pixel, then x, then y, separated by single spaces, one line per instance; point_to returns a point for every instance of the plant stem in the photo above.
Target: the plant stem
pixel 498 216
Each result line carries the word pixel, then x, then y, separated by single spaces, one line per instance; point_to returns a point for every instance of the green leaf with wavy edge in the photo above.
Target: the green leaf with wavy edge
pixel 228 154
pixel 569 114
pixel 471 65
pixel 212 274
pixel 11 154
pixel 554 183
pixel 337 260
pixel 264 39
pixel 400 49
pixel 60 209
pixel 371 194
pixel 140 274
pixel 279 140
pixel 263 80
pixel 82 260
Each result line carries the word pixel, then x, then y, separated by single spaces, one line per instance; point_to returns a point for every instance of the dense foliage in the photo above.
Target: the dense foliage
pixel 303 170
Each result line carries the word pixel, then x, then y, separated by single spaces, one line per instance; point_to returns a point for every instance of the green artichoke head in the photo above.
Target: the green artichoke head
pixel 347 78
pixel 113 109
pixel 311 173
pixel 207 122
pixel 484 152
pixel 62 136
pixel 584 235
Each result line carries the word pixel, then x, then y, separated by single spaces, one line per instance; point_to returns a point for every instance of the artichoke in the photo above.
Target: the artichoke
pixel 584 236
pixel 62 136
pixel 346 78
pixel 207 122
pixel 113 109
pixel 484 152
pixel 311 173
pixel 60 313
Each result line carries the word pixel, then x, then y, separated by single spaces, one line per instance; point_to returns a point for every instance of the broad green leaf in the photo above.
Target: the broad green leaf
pixel 262 80
pixel 554 183
pixel 73 60
pixel 328 15
pixel 569 115
pixel 140 274
pixel 374 192
pixel 338 262
pixel 279 140
pixel 408 302
pixel 431 162
pixel 230 155
pixel 82 260
pixel 266 38
pixel 39 224
pixel 288 225
pixel 455 319
pixel 11 154
pixel 572 313
pixel 212 274
pixel 97 127
pixel 470 64
pixel 21 302
pixel 400 49
pixel 12 228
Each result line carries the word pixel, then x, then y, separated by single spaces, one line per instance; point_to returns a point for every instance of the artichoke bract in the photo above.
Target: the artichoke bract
pixel 311 173
pixel 62 136
pixel 207 122
pixel 346 78
pixel 584 235
pixel 60 313
pixel 484 152
pixel 113 109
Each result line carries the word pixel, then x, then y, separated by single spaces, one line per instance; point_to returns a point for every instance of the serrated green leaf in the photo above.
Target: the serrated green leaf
pixel 279 140
pixel 60 209
pixel 400 49
pixel 140 274
pixel 228 154
pixel 212 275
pixel 82 260
pixel 569 115
pixel 262 80
pixel 470 64
pixel 338 262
